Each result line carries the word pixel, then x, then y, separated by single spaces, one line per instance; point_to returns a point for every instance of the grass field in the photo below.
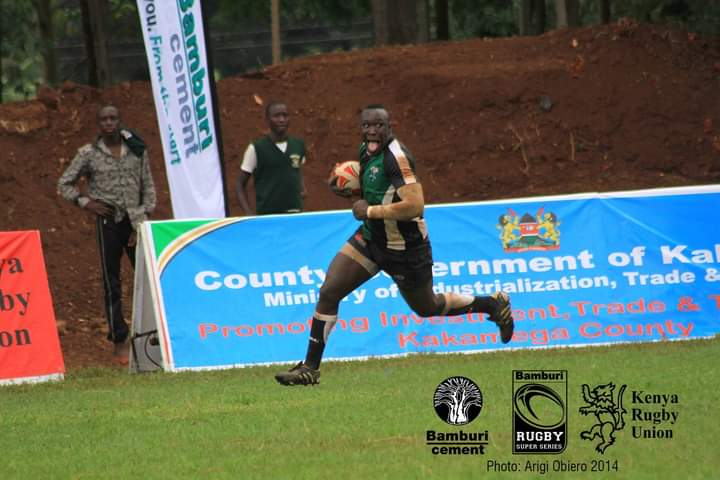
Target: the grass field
pixel 366 419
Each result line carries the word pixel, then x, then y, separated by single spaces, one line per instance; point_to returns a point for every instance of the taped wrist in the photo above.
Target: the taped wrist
pixel 376 212
pixel 403 210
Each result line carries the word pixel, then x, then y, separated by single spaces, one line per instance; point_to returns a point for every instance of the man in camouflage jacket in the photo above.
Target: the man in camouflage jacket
pixel 121 194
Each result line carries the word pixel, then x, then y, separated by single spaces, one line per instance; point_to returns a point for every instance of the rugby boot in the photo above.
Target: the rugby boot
pixel 502 315
pixel 300 374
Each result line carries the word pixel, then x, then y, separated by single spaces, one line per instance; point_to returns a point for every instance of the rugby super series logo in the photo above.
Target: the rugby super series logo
pixel 539 411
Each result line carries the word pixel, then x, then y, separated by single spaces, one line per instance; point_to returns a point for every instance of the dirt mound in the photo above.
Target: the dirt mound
pixel 608 108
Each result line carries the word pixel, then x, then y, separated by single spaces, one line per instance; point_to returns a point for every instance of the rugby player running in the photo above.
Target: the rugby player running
pixel 393 237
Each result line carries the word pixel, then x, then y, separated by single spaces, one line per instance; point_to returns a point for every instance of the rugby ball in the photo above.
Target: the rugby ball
pixel 344 178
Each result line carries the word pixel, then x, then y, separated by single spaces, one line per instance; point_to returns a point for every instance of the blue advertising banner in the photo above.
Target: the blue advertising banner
pixel 581 270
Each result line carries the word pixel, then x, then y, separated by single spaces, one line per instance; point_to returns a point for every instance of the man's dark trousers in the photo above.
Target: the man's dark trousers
pixel 113 242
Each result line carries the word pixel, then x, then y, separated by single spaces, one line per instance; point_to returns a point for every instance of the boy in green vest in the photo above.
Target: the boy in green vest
pixel 274 161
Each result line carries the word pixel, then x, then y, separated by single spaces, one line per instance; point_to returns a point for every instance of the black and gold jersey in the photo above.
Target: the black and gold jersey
pixel 381 176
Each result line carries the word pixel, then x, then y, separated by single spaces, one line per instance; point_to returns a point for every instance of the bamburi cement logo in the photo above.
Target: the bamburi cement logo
pixel 458 400
pixel 539 413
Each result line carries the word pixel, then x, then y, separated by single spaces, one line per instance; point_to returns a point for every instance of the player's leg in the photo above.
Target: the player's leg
pixel 497 306
pixel 426 303
pixel 421 298
pixel 412 271
pixel 350 268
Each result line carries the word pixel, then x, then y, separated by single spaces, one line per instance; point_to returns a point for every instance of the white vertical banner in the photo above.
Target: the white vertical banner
pixel 175 46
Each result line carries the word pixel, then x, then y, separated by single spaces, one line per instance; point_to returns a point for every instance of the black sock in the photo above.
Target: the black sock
pixel 460 310
pixel 483 305
pixel 316 344
pixel 479 305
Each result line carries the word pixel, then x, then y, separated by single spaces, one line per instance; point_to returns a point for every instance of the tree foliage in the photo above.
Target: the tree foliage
pixel 228 15
pixel 700 16
pixel 21 66
pixel 499 18
pixel 488 18
pixel 19 50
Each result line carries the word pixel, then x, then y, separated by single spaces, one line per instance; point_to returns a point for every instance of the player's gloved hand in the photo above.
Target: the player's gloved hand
pixel 360 209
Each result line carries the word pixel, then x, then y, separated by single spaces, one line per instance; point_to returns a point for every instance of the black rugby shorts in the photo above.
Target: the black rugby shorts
pixel 409 268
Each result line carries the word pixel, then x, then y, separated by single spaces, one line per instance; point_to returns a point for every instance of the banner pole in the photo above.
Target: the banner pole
pixel 216 110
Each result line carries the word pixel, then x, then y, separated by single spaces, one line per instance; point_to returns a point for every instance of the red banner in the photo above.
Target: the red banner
pixel 29 343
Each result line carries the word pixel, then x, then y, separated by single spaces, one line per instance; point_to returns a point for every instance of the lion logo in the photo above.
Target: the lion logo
pixel 609 415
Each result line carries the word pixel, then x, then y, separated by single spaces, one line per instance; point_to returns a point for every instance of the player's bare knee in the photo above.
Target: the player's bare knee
pixel 329 295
